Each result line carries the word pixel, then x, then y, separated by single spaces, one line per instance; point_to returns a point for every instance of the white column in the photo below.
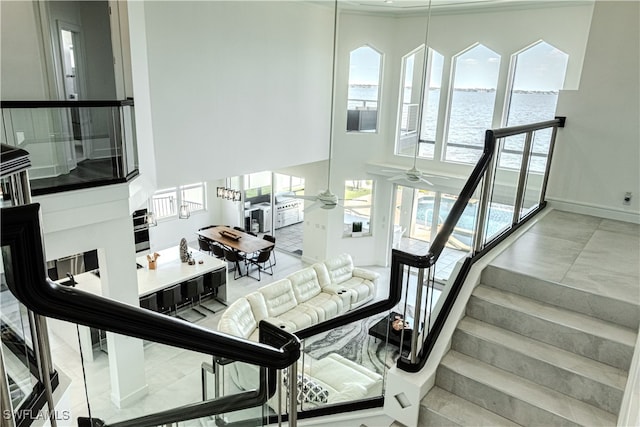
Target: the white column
pixel 120 282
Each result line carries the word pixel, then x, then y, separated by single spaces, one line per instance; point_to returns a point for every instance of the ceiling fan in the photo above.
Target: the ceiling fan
pixel 414 174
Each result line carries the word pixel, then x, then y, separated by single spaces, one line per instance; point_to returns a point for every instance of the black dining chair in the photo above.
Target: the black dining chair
pixel 239 229
pixel 217 251
pixel 260 261
pixel 204 245
pixel 235 257
pixel 271 239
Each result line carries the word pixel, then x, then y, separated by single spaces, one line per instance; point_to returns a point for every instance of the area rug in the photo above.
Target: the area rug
pixel 354 343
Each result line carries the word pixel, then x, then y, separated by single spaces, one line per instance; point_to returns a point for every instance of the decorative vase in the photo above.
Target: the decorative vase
pixel 184 250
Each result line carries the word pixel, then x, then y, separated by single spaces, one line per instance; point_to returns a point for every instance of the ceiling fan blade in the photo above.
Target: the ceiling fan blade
pixel 397 177
pixel 312 198
pixel 312 207
pixel 426 181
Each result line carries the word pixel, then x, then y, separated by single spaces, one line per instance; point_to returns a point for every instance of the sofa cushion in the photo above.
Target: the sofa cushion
pixel 327 305
pixel 340 268
pixel 278 297
pixel 238 319
pixel 322 273
pixel 305 284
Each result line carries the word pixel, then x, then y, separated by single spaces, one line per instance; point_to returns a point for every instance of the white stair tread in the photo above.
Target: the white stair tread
pixel 461 411
pixel 527 391
pixel 566 360
pixel 568 318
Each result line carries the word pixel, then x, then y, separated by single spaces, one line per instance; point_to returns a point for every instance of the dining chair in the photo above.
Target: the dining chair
pixel 217 251
pixel 235 257
pixel 239 229
pixel 260 260
pixel 204 245
pixel 271 239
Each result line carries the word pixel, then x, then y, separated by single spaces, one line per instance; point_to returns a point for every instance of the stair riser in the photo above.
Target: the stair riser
pixel 580 387
pixel 611 310
pixel 428 417
pixel 579 342
pixel 494 400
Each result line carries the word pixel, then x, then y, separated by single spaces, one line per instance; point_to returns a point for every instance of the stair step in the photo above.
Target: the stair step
pixel 584 335
pixel 624 313
pixel 441 408
pixel 585 379
pixel 513 397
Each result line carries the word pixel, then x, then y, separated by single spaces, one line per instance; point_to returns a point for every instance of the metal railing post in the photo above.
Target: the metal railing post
pixel 552 144
pixel 6 419
pixel 487 185
pixel 522 178
pixel 293 394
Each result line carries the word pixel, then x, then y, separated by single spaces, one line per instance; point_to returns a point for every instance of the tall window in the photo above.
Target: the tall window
pixel 165 203
pixel 409 106
pixel 538 76
pixel 193 196
pixel 475 81
pixel 364 89
pixel 358 203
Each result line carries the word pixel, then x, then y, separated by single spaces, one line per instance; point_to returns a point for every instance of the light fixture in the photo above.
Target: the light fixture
pixel 184 212
pixel 229 194
pixel 150 219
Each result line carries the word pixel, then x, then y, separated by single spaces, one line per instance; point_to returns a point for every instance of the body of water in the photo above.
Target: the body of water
pixel 471 115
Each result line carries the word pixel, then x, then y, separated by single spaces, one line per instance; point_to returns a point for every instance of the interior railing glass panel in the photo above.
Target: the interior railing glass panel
pixel 73 144
pixel 506 187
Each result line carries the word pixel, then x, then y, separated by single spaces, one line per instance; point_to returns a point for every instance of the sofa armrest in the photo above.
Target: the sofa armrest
pixel 366 274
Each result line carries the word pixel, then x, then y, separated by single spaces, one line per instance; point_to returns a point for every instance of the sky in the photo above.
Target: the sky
pixel 542 67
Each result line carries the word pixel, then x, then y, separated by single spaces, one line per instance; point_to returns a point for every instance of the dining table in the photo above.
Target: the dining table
pixel 235 239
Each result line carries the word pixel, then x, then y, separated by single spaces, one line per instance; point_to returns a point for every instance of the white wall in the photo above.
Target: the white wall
pixel 24 76
pixel 237 87
pixel 598 153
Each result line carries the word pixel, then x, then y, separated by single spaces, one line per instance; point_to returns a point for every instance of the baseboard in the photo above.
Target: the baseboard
pixel 573 206
pixel 131 398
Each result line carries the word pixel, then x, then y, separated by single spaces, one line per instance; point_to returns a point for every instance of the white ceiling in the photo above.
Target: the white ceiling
pixel 401 7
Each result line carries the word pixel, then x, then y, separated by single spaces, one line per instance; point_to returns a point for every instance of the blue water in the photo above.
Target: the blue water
pixel 471 115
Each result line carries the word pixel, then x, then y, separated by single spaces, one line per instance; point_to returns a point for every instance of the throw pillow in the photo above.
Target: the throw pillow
pixel 308 390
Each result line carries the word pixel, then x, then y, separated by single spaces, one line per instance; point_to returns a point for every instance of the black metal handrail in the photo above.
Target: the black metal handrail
pixel 400 258
pixel 66 104
pixel 22 248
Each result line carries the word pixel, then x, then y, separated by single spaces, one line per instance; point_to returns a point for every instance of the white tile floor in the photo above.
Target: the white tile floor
pixel 565 247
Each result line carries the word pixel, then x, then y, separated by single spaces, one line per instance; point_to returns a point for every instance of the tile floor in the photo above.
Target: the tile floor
pixel 594 253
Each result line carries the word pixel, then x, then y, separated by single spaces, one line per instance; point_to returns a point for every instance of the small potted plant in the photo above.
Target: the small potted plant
pixel 356 229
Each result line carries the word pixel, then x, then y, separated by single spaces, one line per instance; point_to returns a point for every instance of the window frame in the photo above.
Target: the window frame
pixel 370 206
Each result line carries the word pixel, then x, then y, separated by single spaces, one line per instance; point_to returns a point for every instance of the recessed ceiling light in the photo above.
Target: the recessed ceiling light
pixel 388 1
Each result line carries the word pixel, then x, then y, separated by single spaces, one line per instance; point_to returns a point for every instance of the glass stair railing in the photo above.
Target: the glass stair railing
pixel 73 144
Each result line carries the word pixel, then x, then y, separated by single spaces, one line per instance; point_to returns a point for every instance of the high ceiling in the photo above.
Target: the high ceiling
pixel 400 7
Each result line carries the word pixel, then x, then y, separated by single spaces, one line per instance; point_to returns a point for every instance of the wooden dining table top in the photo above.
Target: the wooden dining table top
pixel 245 243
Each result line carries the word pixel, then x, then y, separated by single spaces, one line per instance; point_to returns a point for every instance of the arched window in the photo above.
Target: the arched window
pixel 365 65
pixel 538 75
pixel 412 70
pixel 475 79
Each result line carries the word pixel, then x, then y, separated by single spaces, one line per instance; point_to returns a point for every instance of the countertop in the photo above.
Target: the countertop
pixel 169 271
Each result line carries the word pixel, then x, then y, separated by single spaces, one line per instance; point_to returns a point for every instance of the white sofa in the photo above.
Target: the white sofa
pixel 304 298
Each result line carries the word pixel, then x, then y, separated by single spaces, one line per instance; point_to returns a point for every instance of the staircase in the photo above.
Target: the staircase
pixel 532 352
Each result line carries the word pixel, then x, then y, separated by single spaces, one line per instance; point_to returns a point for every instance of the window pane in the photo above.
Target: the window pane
pixel 358 201
pixel 164 203
pixel 364 87
pixel 472 103
pixel 409 106
pixel 538 77
pixel 194 197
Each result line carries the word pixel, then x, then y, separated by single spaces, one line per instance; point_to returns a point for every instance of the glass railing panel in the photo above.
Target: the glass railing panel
pixel 108 384
pixel 348 363
pixel 73 146
pixel 535 172
pixel 17 344
pixel 503 195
